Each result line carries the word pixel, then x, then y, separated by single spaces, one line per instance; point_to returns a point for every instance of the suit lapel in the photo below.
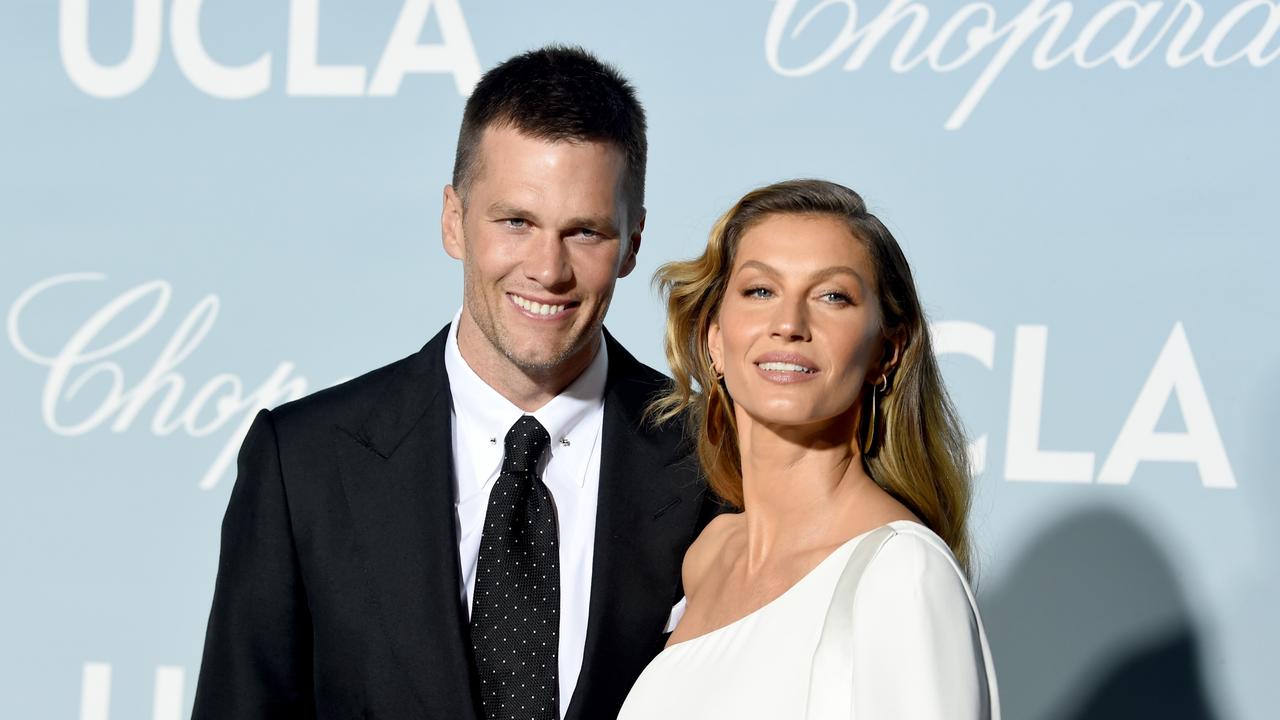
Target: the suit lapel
pixel 649 506
pixel 397 473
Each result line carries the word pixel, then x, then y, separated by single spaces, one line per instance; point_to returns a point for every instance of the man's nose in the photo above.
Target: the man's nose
pixel 547 261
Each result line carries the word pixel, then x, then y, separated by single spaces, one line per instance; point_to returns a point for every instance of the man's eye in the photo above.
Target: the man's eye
pixel 591 235
pixel 516 223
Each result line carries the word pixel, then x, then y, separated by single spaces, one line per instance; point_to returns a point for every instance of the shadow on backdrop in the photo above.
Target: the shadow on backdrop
pixel 1090 623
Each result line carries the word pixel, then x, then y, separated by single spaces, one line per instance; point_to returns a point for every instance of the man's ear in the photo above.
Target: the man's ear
pixel 633 247
pixel 451 224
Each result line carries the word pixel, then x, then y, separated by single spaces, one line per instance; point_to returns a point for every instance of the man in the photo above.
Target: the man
pixel 488 528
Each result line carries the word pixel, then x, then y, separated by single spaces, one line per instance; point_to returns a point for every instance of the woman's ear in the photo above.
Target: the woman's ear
pixel 891 355
pixel 715 346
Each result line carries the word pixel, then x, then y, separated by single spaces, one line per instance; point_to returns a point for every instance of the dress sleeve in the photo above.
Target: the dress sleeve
pixel 917 648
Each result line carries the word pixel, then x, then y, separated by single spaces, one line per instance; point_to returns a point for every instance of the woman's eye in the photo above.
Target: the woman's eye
pixel 837 298
pixel 758 292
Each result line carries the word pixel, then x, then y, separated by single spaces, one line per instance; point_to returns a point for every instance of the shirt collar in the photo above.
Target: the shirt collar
pixel 481 407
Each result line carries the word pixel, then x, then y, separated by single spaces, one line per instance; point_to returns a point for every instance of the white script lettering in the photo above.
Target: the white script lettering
pixel 84 358
pixel 1048 17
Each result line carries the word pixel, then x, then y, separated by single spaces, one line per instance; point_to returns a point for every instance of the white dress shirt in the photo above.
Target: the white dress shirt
pixel 570 469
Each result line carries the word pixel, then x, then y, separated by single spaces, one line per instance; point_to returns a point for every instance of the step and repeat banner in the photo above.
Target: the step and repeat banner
pixel 210 207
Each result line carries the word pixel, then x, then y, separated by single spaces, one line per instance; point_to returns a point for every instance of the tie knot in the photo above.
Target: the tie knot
pixel 524 445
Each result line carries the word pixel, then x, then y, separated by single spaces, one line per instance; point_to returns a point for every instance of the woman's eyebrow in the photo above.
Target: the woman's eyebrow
pixel 816 276
pixel 834 270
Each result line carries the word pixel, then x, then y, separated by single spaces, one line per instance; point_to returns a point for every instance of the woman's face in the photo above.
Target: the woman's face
pixel 799 333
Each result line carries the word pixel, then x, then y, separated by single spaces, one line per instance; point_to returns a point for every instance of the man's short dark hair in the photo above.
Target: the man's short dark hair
pixel 556 93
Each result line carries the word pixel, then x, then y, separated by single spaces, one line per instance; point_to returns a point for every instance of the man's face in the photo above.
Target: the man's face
pixel 544 236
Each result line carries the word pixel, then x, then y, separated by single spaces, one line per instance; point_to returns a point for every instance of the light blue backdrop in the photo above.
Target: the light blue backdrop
pixel 210 215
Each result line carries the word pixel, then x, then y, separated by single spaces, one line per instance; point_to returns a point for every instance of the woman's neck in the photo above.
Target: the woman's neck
pixel 798 486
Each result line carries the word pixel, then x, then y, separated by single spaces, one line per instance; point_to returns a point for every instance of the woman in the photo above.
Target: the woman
pixel 840 589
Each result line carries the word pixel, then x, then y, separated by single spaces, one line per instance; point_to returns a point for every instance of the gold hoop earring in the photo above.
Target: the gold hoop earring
pixel 869 433
pixel 717 387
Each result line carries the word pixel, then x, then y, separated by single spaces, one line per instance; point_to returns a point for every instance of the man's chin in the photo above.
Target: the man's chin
pixel 539 359
pixel 543 359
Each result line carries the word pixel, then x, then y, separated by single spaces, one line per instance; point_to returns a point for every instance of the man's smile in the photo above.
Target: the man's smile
pixel 543 308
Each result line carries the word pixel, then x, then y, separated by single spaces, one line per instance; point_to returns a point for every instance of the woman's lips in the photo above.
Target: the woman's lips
pixel 786 368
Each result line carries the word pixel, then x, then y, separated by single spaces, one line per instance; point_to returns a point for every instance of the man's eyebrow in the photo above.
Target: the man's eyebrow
pixel 505 210
pixel 816 276
pixel 599 223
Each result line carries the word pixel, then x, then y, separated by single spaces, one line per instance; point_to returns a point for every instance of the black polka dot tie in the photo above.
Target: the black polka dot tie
pixel 515 613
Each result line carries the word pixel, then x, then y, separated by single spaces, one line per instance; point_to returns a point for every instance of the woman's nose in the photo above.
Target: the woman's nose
pixel 791 321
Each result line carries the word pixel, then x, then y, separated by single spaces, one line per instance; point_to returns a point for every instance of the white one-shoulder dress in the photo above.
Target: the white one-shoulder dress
pixel 884 628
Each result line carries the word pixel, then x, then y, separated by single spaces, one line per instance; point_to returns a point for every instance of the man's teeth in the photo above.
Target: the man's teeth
pixel 784 367
pixel 536 307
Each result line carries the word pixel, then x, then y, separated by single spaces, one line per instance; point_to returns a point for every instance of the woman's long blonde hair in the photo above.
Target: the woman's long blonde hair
pixel 919 454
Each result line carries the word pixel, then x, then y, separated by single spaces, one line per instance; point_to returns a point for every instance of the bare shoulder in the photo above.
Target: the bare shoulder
pixel 708 546
pixel 875 507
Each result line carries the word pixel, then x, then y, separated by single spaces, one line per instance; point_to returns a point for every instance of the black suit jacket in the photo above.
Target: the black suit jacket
pixel 339 593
